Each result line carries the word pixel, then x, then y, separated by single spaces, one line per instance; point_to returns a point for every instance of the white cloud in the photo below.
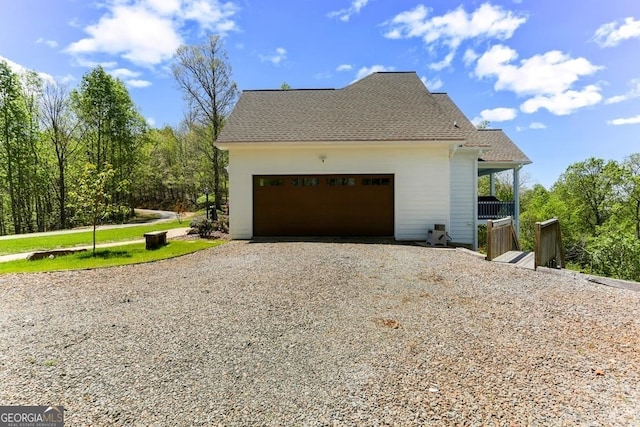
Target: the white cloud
pixel 563 103
pixel 470 57
pixel 344 67
pixel 151 121
pixel 211 14
pixel 137 83
pixel 444 63
pixel 454 27
pixel 345 14
pixel 498 114
pixel 612 33
pixel 276 58
pixel 365 71
pixel 433 84
pixel 50 43
pixel 550 73
pixel 549 78
pixel 628 121
pixel 21 70
pixel 148 32
pixel 537 125
pixel 123 73
pixel 634 92
pixel 534 125
pixel 82 62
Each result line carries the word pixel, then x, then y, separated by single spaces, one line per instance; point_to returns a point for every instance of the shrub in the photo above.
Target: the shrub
pixel 222 224
pixel 204 226
pixel 616 254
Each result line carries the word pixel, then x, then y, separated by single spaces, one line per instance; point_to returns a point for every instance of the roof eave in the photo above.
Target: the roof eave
pixel 225 145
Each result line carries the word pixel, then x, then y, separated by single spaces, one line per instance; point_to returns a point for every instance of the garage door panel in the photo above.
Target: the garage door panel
pixel 323 205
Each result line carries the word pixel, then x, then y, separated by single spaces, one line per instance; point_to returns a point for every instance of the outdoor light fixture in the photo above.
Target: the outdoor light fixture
pixel 322 157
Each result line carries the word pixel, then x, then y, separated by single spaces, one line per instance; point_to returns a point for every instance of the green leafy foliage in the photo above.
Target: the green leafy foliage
pixel 48 133
pixel 598 205
pixel 203 74
pixel 91 199
pixel 204 227
pixel 615 252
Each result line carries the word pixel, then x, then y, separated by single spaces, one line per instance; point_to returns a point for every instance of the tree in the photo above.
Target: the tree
pixel 172 169
pixel 14 127
pixel 59 124
pixel 204 76
pixel 591 188
pixel 483 124
pixel 111 126
pixel 285 86
pixel 91 200
pixel 631 190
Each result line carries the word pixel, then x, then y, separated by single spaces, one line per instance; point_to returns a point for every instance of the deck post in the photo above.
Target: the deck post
pixel 492 184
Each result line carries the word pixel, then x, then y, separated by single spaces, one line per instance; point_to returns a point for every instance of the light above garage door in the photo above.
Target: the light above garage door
pixel 323 205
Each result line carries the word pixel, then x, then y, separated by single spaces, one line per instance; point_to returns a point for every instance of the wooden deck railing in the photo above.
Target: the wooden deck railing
pixel 501 238
pixel 495 209
pixel 549 250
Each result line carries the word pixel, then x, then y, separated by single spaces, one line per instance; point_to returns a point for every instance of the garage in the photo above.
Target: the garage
pixel 323 205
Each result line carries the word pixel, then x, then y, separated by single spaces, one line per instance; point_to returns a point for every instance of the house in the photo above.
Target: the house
pixel 380 157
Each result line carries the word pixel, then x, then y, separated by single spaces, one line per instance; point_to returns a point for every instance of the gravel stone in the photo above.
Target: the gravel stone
pixel 321 333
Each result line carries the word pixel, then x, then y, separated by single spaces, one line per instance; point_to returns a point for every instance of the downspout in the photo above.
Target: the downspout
pixel 455 148
pixel 475 202
pixel 516 199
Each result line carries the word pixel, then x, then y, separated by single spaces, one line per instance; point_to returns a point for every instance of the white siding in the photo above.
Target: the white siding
pixel 421 179
pixel 463 197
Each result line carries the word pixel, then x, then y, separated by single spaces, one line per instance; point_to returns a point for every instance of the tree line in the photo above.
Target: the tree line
pixel 598 205
pixel 51 136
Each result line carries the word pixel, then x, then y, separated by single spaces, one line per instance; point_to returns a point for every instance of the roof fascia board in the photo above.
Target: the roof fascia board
pixel 337 144
pixel 501 165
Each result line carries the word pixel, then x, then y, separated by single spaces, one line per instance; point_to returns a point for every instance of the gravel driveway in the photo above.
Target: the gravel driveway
pixel 319 333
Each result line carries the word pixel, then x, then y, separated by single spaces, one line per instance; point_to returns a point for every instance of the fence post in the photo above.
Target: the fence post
pixel 490 248
pixel 537 250
pixel 560 246
pixel 548 244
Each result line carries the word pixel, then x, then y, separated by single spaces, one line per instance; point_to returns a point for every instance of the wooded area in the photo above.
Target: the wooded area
pixel 51 136
pixel 598 205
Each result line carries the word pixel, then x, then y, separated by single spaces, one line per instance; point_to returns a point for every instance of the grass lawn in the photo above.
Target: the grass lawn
pixel 109 257
pixel 40 243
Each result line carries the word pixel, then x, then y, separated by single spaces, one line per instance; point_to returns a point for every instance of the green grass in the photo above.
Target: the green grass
pixel 31 243
pixel 109 257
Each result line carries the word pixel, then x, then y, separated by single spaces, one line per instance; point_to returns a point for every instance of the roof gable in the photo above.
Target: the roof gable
pixel 384 106
pixel 380 107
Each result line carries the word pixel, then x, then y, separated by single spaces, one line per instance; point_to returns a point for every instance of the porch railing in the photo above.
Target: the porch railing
pixel 495 209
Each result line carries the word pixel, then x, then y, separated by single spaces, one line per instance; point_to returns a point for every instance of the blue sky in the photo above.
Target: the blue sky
pixel 562 78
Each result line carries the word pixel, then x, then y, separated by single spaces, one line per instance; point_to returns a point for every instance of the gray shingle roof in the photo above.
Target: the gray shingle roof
pixel 501 148
pixel 496 145
pixel 386 106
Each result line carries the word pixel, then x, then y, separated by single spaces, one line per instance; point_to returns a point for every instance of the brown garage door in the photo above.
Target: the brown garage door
pixel 323 205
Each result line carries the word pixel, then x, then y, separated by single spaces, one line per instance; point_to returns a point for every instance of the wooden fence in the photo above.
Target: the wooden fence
pixel 501 237
pixel 549 251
